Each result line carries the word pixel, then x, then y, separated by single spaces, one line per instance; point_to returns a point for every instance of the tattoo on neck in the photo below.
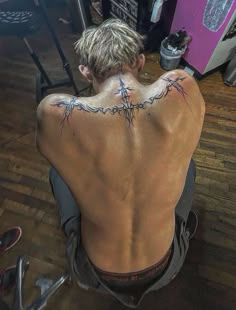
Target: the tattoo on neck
pixel 126 107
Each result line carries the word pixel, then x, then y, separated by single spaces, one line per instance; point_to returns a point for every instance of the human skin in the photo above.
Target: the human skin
pixel 125 153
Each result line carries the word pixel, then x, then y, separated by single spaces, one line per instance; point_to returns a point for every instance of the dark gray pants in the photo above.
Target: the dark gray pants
pixel 86 275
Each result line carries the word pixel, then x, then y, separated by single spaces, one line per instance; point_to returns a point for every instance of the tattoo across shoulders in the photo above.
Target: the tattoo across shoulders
pixel 126 108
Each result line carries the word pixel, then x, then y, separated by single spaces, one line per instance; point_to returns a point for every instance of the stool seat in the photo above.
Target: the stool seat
pixel 21 23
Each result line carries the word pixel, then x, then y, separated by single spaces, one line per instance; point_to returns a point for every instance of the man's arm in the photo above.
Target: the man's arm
pixel 48 137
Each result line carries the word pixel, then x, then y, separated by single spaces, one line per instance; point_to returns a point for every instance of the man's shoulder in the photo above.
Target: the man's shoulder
pixel 48 104
pixel 180 84
pixel 50 122
pixel 178 75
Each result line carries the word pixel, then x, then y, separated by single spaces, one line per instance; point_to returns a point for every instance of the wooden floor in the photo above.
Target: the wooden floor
pixel 208 278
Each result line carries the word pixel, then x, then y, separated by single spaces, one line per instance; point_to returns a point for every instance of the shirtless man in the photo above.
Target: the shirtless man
pixel 122 164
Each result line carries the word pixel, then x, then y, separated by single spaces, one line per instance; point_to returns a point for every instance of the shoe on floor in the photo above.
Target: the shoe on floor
pixel 9 238
pixel 7 279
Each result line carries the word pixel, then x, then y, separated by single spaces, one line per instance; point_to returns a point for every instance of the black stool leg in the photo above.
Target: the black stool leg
pixel 58 46
pixel 40 90
pixel 37 62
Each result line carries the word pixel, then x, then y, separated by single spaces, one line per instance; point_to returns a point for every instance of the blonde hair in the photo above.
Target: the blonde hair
pixel 106 49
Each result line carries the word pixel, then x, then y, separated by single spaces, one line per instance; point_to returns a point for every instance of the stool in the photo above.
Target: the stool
pixel 39 303
pixel 27 22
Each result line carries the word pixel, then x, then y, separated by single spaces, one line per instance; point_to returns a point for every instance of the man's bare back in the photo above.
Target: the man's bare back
pixel 124 154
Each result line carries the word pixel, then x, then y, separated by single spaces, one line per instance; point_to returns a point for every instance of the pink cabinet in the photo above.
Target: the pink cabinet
pixel 212 25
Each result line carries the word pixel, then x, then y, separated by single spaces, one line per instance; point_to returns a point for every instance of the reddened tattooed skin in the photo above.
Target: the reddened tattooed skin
pixel 127 107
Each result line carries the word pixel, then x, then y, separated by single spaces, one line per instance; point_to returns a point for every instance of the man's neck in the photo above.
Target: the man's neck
pixel 113 82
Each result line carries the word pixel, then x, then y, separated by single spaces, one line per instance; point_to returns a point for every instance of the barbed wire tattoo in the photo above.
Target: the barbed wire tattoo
pixel 127 104
pixel 126 107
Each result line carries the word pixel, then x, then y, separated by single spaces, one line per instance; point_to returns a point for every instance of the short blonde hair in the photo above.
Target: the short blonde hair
pixel 106 49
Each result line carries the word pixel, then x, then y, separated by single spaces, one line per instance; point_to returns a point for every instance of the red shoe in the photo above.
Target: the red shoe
pixel 7 279
pixel 9 238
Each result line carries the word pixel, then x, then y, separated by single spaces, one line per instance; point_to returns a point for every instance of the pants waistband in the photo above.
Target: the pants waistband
pixel 153 271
